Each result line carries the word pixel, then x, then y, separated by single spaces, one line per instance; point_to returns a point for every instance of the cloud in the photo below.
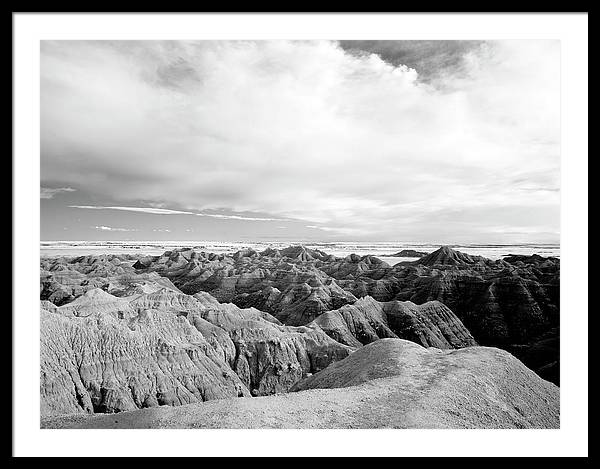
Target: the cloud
pixel 237 217
pixel 164 211
pixel 308 130
pixel 340 230
pixel 48 193
pixel 434 60
pixel 110 228
pixel 156 211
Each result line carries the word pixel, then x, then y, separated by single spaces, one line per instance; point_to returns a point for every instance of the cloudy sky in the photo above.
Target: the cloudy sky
pixel 414 141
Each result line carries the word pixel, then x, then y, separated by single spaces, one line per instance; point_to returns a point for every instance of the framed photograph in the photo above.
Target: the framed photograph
pixel 350 224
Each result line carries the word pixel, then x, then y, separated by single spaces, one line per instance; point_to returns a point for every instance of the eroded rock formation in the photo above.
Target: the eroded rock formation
pixel 389 383
pixel 409 253
pixel 103 363
pixel 102 353
pixel 128 332
pixel 506 303
pixel 431 324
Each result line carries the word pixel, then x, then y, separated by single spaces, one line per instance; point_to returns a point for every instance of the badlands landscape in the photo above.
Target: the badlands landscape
pixel 299 338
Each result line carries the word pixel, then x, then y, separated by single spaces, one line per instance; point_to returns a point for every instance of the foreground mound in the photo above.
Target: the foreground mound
pixel 390 383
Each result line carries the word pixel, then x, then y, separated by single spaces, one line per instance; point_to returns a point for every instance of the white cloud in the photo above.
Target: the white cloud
pixel 340 230
pixel 164 211
pixel 237 217
pixel 48 193
pixel 110 228
pixel 305 130
pixel 156 211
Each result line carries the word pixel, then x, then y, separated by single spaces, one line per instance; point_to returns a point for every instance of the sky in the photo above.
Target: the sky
pixel 407 141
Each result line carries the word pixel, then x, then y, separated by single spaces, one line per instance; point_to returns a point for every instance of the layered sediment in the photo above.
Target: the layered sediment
pixel 122 333
pixel 102 353
pixel 389 383
pixel 506 303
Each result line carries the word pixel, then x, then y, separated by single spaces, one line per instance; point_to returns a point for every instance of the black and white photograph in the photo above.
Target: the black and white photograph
pixel 316 233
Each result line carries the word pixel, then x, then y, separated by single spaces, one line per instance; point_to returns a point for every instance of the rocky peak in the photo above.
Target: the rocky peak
pixel 447 256
pixel 302 253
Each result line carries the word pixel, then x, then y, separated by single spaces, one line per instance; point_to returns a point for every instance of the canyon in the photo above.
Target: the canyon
pixel 128 334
